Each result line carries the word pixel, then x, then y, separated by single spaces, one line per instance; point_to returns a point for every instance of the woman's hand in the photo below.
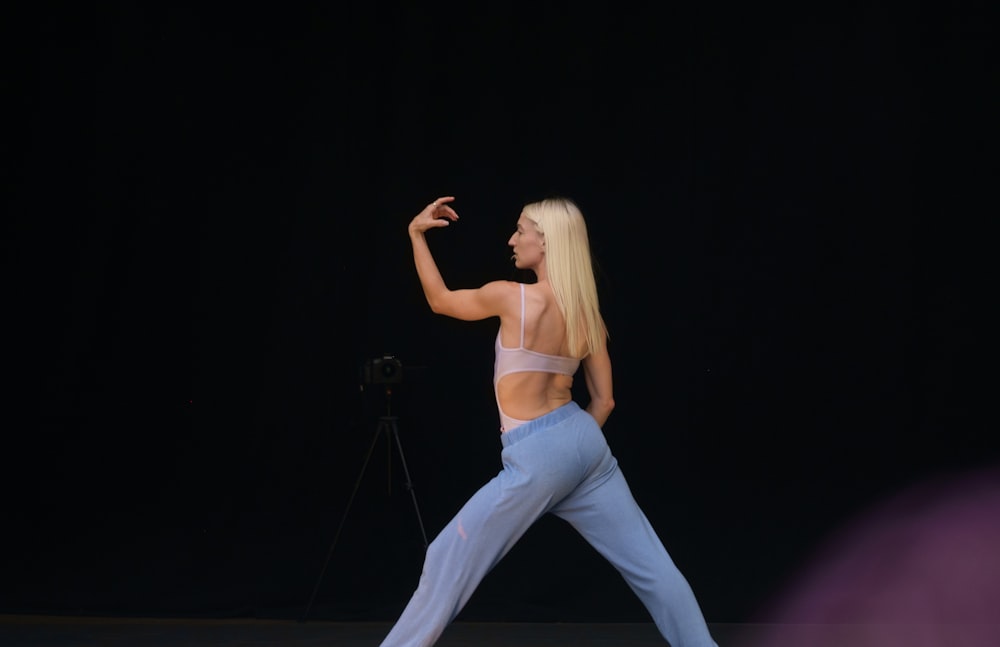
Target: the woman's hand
pixel 436 214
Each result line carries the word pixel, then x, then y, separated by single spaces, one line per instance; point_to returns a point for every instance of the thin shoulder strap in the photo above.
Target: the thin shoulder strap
pixel 522 316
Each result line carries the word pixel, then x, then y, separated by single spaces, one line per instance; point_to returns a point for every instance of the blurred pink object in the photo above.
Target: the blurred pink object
pixel 921 569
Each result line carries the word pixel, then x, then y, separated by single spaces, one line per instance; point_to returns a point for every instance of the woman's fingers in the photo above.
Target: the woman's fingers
pixel 436 214
pixel 440 209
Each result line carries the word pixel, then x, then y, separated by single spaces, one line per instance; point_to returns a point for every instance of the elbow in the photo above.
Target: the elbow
pixel 605 406
pixel 435 303
pixel 600 409
pixel 439 298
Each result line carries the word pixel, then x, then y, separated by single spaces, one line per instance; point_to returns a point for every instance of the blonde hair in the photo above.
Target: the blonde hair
pixel 570 271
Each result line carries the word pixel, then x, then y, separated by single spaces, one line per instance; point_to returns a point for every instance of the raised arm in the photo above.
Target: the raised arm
pixel 465 304
pixel 597 371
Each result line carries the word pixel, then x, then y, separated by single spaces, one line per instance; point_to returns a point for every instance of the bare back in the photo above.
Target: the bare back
pixel 526 395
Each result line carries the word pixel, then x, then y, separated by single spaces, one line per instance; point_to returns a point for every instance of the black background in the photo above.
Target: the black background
pixel 205 217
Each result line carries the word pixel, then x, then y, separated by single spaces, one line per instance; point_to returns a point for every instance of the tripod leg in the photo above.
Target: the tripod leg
pixel 357 484
pixel 409 484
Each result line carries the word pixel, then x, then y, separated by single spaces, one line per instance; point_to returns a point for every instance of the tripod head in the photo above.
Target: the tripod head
pixel 385 370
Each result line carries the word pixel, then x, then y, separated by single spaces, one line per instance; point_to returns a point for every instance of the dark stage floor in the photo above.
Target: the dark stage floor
pixel 61 631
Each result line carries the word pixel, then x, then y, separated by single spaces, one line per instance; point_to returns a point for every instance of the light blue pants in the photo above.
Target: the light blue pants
pixel 559 463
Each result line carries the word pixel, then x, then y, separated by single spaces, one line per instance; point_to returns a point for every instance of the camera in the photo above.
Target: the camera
pixel 383 370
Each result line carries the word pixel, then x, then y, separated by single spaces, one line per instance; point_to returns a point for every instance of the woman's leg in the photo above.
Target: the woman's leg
pixel 604 512
pixel 534 476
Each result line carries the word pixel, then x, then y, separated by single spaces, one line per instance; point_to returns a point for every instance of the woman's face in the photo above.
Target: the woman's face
pixel 528 244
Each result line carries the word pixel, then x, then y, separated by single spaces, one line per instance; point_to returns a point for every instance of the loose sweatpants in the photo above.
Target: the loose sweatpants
pixel 558 463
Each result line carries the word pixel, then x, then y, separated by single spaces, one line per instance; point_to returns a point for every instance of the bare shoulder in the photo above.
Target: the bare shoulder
pixel 506 294
pixel 501 286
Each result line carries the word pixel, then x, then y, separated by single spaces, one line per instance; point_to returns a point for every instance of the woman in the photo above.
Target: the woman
pixel 555 458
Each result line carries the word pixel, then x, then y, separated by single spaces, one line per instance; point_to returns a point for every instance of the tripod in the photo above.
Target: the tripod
pixel 387 425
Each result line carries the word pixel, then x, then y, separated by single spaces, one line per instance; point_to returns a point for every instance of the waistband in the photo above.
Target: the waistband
pixel 550 419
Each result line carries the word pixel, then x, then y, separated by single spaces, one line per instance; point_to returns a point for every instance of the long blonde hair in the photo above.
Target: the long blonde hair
pixel 570 271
